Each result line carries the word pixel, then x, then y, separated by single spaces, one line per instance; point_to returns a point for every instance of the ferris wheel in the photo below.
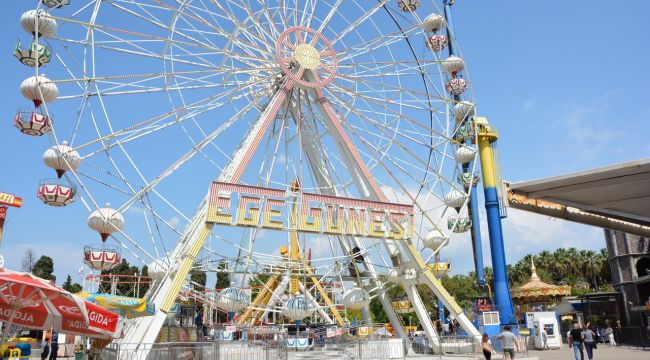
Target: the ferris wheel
pixel 335 127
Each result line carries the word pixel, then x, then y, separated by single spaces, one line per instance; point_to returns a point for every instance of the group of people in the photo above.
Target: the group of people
pixel 50 347
pixel 448 328
pixel 586 337
pixel 508 340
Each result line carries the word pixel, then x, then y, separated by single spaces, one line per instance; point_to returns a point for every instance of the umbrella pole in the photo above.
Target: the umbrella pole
pixel 5 332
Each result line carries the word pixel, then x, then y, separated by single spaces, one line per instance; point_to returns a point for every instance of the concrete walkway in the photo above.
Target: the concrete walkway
pixel 603 352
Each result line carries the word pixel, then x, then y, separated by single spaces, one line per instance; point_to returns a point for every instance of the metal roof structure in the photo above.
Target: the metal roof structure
pixel 611 195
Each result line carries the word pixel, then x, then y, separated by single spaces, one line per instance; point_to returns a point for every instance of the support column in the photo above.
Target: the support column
pixel 502 298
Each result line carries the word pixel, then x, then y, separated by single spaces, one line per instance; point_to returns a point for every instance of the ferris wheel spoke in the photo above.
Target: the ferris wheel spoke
pixel 246 44
pixel 178 163
pixel 381 128
pixel 365 16
pixel 382 41
pixel 192 43
pixel 333 10
pixel 193 15
pixel 264 31
pixel 250 35
pixel 380 103
pixel 202 103
pixel 149 130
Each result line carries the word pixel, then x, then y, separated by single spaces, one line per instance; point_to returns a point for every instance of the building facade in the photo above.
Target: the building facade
pixel 629 259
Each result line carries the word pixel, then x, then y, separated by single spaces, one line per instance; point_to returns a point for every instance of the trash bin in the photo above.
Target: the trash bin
pixel 79 355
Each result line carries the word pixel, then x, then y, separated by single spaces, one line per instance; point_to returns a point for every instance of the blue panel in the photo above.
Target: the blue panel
pixel 502 297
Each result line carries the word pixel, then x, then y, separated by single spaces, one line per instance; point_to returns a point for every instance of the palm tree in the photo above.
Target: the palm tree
pixel 591 266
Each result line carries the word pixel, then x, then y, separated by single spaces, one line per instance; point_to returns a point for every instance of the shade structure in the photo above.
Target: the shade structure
pixel 535 289
pixel 32 302
pixel 127 307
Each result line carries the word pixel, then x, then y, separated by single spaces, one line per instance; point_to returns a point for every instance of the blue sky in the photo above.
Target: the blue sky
pixel 565 85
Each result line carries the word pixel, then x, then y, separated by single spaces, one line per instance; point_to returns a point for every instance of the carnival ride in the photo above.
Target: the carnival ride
pixel 342 126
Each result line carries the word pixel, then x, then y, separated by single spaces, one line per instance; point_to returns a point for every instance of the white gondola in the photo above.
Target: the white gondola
pixel 56 192
pixel 453 65
pixel 106 221
pixel 436 42
pixel 101 258
pixel 55 4
pixel 39 89
pixel 297 308
pixel 433 23
pixel 62 158
pixel 408 5
pixel 459 224
pixel 464 109
pixel 38 22
pixel 456 86
pixel 32 122
pixel 455 199
pixel 34 54
pixel 232 300
pixel 355 298
pixel 465 154
pixel 435 239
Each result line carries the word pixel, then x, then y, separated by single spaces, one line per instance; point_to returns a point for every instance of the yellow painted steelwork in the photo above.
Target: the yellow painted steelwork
pixel 184 269
pixel 486 136
pixel 261 299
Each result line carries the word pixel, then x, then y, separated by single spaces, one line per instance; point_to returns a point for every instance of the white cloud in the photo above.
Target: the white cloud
pixel 524 233
pixel 174 222
pixel 586 131
pixel 529 103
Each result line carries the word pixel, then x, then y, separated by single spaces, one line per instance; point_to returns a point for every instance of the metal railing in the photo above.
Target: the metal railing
pixel 332 348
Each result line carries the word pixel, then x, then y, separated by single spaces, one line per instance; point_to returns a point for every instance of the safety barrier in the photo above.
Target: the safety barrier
pixel 338 348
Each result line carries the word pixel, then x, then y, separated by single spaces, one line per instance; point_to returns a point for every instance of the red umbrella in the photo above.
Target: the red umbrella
pixel 33 302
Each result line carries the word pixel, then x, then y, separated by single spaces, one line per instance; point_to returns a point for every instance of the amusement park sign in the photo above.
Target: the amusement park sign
pixel 243 205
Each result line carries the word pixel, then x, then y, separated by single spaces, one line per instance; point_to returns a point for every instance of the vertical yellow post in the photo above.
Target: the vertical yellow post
pixel 295 250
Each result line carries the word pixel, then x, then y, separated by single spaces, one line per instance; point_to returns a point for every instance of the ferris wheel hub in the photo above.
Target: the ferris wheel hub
pixel 300 49
pixel 307 56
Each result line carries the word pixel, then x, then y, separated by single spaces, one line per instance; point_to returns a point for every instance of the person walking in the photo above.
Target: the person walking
pixel 575 341
pixel 198 321
pixel 508 340
pixel 54 346
pixel 609 332
pixel 486 345
pixel 544 339
pixel 590 341
pixel 45 348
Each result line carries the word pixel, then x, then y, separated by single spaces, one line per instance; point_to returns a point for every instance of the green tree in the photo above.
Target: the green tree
pixel 256 283
pixel 144 284
pixel 44 268
pixel 125 283
pixel 199 278
pixel 223 277
pixel 71 287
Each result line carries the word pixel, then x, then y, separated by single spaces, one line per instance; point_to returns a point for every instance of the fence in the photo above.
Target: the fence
pixel 632 336
pixel 339 348
pixel 235 350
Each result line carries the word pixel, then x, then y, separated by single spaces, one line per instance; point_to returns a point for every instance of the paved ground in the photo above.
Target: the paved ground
pixel 603 352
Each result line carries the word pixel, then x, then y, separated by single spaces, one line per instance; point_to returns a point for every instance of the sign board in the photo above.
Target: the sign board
pixel 244 205
pixel 7 199
pixel 231 328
